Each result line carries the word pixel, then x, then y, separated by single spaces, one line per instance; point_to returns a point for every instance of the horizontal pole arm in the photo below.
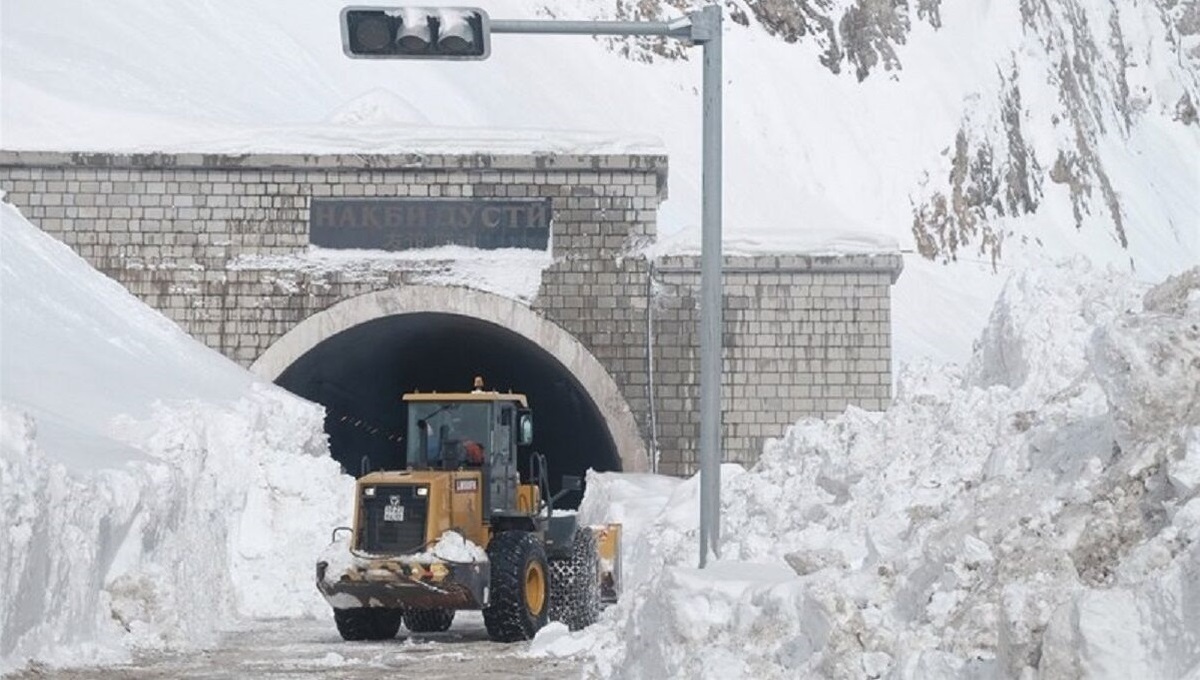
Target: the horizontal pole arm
pixel 681 29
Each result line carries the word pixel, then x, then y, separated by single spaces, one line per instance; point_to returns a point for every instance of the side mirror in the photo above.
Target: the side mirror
pixel 525 429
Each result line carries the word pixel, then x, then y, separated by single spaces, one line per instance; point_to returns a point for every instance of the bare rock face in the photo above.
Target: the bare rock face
pixel 859 34
pixel 869 31
pixel 862 34
pixel 987 178
pixel 995 173
pixel 647 49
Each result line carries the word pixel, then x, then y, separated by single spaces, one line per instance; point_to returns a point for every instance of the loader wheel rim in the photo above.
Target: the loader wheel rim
pixel 535 588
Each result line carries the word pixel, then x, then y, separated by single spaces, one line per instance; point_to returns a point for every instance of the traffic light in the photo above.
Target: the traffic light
pixel 415 32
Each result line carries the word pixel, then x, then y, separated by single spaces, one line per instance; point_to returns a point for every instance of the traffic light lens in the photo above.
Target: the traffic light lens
pixel 412 43
pixel 409 32
pixel 456 32
pixel 455 44
pixel 372 33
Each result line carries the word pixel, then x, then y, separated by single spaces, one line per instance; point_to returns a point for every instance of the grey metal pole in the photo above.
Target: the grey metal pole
pixel 710 290
pixel 679 29
pixel 703 28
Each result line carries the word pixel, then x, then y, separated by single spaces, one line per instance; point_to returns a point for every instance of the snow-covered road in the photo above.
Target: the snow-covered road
pixel 312 649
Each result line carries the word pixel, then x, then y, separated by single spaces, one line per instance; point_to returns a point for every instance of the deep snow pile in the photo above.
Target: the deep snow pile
pixel 1034 515
pixel 514 273
pixel 151 489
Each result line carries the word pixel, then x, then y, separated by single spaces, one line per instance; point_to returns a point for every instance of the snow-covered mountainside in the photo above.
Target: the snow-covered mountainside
pixel 1054 86
pixel 980 135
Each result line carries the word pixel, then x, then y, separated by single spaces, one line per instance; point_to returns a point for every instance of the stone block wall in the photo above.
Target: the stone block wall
pixel 803 335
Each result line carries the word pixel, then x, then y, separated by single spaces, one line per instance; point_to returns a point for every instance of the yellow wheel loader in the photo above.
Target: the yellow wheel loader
pixel 462 528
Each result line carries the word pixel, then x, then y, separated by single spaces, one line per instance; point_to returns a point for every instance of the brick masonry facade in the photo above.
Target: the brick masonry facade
pixel 804 335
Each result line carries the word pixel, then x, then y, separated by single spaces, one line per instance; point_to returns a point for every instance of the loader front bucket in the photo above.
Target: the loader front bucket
pixel 398 584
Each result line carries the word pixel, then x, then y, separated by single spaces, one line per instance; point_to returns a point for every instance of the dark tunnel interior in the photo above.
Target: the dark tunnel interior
pixel 360 374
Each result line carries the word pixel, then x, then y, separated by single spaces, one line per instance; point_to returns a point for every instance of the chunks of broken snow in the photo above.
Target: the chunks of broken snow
pixel 556 640
pixel 451 547
pixel 1035 515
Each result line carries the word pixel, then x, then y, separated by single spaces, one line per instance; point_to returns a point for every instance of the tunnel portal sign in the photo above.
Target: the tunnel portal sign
pixel 404 223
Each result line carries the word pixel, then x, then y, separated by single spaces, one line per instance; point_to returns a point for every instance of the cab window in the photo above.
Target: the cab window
pixel 455 434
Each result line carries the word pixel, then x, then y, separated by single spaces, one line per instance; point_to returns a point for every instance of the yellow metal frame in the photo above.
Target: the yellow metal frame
pixel 529 498
pixel 455 501
pixel 608 544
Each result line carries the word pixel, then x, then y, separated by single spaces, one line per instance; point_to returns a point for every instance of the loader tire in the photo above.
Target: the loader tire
pixel 519 600
pixel 575 583
pixel 367 623
pixel 428 620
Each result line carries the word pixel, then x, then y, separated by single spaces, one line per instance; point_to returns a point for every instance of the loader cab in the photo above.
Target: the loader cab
pixel 484 430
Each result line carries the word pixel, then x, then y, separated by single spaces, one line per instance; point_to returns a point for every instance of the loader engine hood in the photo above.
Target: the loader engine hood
pixel 392 518
pixel 404 513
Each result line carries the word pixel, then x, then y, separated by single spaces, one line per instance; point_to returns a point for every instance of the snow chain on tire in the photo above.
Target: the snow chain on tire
pixel 367 623
pixel 515 611
pixel 575 583
pixel 428 620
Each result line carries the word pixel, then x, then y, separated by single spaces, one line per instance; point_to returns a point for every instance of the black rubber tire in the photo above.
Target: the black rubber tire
pixel 509 616
pixel 428 620
pixel 367 623
pixel 575 583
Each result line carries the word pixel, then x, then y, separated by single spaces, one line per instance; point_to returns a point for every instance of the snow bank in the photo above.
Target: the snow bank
pixel 1035 515
pixel 514 273
pixel 847 239
pixel 137 516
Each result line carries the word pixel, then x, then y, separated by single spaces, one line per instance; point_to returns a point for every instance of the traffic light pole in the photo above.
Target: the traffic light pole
pixel 702 27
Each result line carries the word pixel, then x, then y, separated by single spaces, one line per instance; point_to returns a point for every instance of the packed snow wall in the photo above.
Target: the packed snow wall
pixel 1034 514
pixel 154 490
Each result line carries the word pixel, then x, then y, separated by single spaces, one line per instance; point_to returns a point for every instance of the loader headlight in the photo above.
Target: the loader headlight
pixel 369 491
pixel 423 491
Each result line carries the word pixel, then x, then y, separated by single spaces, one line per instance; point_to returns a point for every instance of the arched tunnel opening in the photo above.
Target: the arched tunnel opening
pixel 360 375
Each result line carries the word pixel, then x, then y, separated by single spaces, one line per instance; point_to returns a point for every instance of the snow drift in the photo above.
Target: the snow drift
pixel 153 490
pixel 1034 515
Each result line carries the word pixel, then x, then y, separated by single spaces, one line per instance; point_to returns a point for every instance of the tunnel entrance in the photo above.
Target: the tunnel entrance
pixel 360 374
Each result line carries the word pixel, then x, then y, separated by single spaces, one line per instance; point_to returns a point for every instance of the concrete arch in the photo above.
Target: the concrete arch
pixel 488 307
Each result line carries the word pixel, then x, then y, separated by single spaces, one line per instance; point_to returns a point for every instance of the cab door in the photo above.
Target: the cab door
pixel 502 461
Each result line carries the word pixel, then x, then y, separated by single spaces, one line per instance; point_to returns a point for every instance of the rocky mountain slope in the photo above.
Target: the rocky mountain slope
pixel 1078 75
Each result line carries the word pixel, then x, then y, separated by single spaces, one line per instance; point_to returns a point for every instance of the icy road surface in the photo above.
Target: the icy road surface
pixel 312 649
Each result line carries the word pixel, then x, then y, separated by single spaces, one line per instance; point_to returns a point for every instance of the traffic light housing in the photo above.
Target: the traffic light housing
pixel 415 33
